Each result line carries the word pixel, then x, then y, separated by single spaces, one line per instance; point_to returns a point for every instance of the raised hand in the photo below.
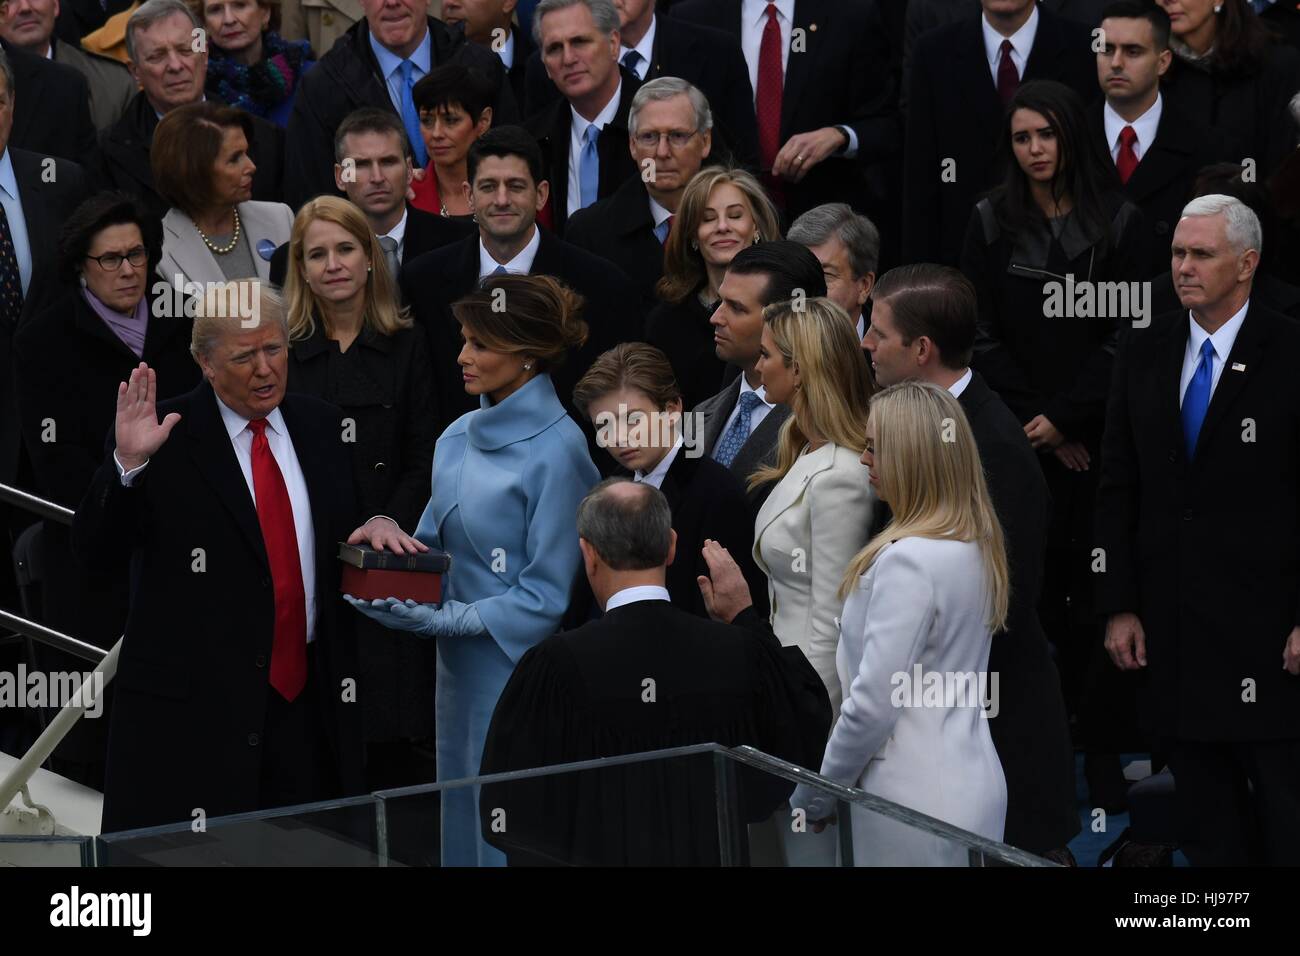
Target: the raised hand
pixel 139 433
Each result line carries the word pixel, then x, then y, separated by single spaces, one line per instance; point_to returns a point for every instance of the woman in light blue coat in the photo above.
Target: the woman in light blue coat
pixel 507 480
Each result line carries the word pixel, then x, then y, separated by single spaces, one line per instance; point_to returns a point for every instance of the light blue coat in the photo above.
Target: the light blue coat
pixel 507 480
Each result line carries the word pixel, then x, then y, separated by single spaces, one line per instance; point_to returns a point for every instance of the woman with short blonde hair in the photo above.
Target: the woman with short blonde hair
pixel 923 600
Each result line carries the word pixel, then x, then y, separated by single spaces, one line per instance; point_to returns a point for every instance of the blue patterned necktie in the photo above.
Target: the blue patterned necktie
pixel 11 282
pixel 736 436
pixel 631 60
pixel 411 116
pixel 589 167
pixel 1196 400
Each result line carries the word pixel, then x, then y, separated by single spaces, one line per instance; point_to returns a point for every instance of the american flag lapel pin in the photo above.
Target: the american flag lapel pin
pixel 1238 367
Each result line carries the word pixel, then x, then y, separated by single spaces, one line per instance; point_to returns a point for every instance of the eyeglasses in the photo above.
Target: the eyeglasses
pixel 112 261
pixel 676 139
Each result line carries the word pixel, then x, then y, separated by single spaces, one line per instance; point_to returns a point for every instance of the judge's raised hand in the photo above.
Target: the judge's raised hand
pixel 381 533
pixel 725 590
pixel 1126 642
pixel 139 433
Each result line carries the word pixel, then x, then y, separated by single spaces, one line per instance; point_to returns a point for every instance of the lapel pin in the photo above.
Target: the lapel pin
pixel 1238 367
pixel 265 249
pixel 812 27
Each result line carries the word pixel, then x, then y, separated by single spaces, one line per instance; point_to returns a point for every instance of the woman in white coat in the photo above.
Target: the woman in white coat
pixel 215 232
pixel 819 514
pixel 923 599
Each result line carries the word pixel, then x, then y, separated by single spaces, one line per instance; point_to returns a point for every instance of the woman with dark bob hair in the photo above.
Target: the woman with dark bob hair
pixel 455 106
pixel 214 232
pixel 69 362
pixel 507 480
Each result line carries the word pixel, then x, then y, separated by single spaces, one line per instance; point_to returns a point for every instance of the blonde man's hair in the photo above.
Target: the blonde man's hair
pixel 928 468
pixel 216 313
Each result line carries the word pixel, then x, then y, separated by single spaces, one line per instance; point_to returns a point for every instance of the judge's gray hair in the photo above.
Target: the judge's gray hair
pixel 631 528
pixel 665 88
pixel 240 305
pixel 1240 221
pixel 150 12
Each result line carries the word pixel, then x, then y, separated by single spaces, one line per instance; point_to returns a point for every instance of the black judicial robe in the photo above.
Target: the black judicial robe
pixel 582 694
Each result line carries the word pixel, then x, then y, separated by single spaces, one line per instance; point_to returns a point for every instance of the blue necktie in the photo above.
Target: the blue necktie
pixel 1196 400
pixel 630 60
pixel 589 167
pixel 662 230
pixel 731 443
pixel 411 116
pixel 500 271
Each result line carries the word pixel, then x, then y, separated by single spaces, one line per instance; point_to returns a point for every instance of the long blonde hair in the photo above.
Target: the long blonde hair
pixel 834 394
pixel 928 466
pixel 382 314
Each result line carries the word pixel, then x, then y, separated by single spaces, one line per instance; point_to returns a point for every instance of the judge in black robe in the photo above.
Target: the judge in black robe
pixel 646 676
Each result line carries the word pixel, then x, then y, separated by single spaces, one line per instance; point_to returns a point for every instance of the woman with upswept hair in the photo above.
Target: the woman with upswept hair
pixel 922 598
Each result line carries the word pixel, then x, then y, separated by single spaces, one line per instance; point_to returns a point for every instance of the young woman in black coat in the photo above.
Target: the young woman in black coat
pixel 352 345
pixel 1057 227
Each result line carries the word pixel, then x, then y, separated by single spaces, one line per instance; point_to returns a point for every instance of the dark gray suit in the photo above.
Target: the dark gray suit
pixel 759 449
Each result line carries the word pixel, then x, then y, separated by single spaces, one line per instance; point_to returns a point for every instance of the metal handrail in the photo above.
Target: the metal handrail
pixel 51 638
pixel 36 504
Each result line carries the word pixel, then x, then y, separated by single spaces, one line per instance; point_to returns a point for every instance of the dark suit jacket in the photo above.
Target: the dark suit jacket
pixel 1162 183
pixel 579 695
pixel 1031 731
pixel 708 59
pixel 432 282
pixel 124 156
pixel 347 78
pixel 518 72
pixel 189 713
pixel 424 231
pixel 759 449
pixel 621 229
pixel 553 128
pixel 953 112
pixel 51 108
pixel 844 77
pixel 1206 551
pixel 683 333
pixel 47 201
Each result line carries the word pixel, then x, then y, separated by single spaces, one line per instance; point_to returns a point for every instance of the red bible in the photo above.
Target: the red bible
pixel 376 575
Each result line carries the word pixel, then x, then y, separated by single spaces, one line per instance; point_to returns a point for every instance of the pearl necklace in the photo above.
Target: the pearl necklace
pixel 234 241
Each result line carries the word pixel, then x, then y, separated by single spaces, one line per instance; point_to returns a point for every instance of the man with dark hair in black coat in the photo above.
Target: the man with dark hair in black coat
pixel 52 108
pixel 368 68
pixel 923 327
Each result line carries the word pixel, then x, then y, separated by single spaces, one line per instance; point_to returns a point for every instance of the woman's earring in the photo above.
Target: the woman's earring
pixel 527 366
pixel 695 246
pixel 369 268
pixel 82 280
pixel 1218 7
pixel 757 239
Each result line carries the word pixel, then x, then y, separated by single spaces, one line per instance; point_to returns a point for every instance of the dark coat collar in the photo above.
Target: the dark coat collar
pixel 317 343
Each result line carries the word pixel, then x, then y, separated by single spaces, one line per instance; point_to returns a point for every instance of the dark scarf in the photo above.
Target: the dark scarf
pixel 262 87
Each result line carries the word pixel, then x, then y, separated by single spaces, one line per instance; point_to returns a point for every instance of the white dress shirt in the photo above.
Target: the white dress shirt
pixel 398 235
pixel 862 327
pixel 646 48
pixel 756 416
pixel 507 51
pixel 642 592
pixel 277 436
pixel 1222 340
pixel 1145 126
pixel 13 207
pixel 1022 41
pixel 520 265
pixel 577 131
pixel 658 212
pixel 959 386
pixel 657 473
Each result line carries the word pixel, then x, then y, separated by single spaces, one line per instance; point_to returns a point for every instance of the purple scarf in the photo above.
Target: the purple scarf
pixel 129 328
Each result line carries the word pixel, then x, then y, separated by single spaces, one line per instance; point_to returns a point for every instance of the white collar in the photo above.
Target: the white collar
pixel 658 211
pixel 603 118
pixel 1145 125
pixel 761 391
pixel 959 386
pixel 235 423
pixel 642 592
pixel 755 11
pixel 646 47
pixel 521 264
pixel 507 52
pixel 1022 41
pixel 398 232
pixel 1222 339
pixel 656 476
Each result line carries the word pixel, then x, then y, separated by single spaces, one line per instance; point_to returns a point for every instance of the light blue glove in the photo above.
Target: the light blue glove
pixel 452 619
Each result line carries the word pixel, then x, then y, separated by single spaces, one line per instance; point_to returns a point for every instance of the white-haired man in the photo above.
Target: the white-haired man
pixel 1198 541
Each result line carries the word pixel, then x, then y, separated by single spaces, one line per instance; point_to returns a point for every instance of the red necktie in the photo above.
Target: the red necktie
pixel 1127 160
pixel 771 80
pixel 275 515
pixel 1008 78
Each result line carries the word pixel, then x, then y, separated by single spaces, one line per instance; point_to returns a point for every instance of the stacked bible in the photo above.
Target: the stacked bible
pixel 372 575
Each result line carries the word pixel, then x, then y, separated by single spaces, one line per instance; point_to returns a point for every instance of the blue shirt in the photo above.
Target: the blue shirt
pixel 390 63
pixel 17 221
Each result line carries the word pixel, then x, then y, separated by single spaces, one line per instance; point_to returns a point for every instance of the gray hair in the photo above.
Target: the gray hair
pixel 667 88
pixel 836 219
pixel 603 12
pixel 1241 225
pixel 630 532
pixel 218 313
pixel 150 12
pixel 7 69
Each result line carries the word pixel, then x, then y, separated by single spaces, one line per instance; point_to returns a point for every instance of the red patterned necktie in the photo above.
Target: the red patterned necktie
pixel 771 81
pixel 11 283
pixel 275 515
pixel 1008 78
pixel 1127 160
